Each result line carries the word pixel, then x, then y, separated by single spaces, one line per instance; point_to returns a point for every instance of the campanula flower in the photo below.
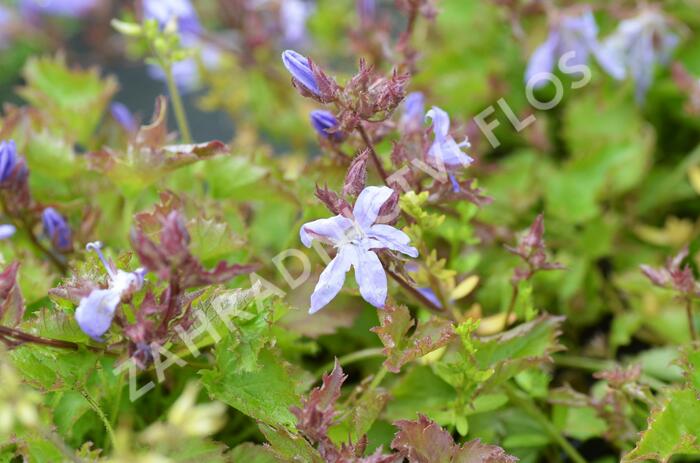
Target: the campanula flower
pixel 413 110
pixel 324 122
pixel 96 311
pixel 638 45
pixel 356 239
pixel 577 34
pixel 66 8
pixel 56 229
pixel 300 69
pixel 293 16
pixel 7 231
pixel 445 150
pixel 180 11
pixel 8 159
pixel 121 113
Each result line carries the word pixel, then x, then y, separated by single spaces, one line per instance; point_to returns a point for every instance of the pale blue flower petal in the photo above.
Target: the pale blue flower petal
pixel 96 311
pixel 391 238
pixel 332 230
pixel 543 59
pixel 7 231
pixel 441 122
pixel 332 278
pixel 369 203
pixel 371 278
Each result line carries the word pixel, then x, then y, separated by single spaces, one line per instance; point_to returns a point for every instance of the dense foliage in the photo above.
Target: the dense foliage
pixel 443 231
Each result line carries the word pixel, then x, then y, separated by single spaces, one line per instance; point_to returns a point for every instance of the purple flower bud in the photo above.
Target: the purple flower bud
pixel 299 67
pixel 356 177
pixel 56 229
pixel 8 159
pixel 325 122
pixel 123 116
pixel 7 231
pixel 181 11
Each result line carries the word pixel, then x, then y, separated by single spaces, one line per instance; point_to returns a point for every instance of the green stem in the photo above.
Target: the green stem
pixel 691 322
pixel 378 378
pixel 96 408
pixel 178 107
pixel 528 406
pixel 352 358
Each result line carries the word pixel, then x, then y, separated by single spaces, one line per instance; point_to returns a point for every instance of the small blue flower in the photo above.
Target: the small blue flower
pixel 56 229
pixel 300 69
pixel 577 34
pixel 95 312
pixel 181 11
pixel 7 231
pixel 445 151
pixel 640 44
pixel 413 110
pixel 293 16
pixel 120 112
pixel 324 122
pixel 8 159
pixel 356 240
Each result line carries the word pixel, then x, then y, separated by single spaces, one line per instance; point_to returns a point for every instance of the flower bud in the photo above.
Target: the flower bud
pixel 326 124
pixel 56 229
pixel 8 159
pixel 300 68
pixel 356 177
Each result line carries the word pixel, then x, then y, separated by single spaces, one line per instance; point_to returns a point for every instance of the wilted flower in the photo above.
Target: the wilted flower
pixel 56 229
pixel 356 239
pixel 326 124
pixel 69 8
pixel 7 231
pixel 293 16
pixel 300 69
pixel 96 311
pixel 577 34
pixel 640 44
pixel 180 11
pixel 123 116
pixel 413 110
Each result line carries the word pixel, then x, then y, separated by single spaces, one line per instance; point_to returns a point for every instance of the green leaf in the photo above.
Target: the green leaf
pixel 251 453
pixel 673 429
pixel 290 447
pixel 265 394
pixel 74 99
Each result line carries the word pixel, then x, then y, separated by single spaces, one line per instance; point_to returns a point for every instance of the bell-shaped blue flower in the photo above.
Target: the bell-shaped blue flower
pixel 325 124
pixel 299 67
pixel 8 159
pixel 56 229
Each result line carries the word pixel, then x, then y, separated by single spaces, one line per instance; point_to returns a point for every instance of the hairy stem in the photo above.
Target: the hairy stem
pixel 352 358
pixel 96 408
